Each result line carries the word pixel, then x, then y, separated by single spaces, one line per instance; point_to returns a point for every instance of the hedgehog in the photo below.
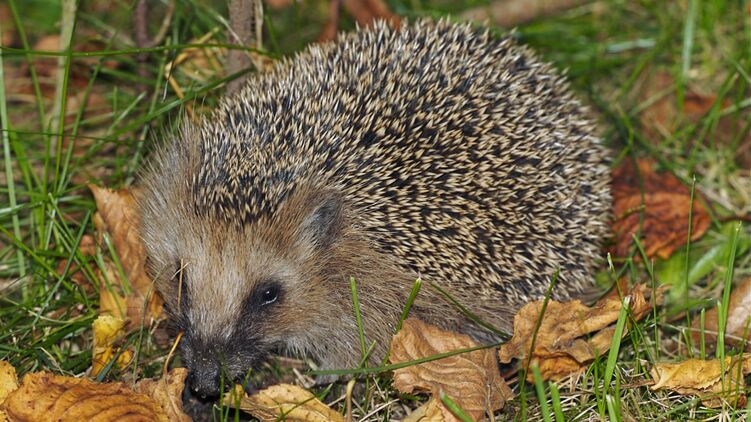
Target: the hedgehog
pixel 434 150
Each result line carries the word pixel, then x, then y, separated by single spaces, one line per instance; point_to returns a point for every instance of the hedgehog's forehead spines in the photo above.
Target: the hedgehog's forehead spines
pixel 239 182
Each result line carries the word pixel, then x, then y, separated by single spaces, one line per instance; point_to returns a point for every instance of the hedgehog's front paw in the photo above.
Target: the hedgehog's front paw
pixel 324 380
pixel 344 367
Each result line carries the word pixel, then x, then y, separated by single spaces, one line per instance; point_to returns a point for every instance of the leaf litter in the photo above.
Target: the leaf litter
pixel 43 396
pixel 471 379
pixel 571 335
pixel 656 207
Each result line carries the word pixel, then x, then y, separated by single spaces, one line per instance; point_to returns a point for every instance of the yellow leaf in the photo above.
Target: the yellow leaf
pixel 168 392
pixel 8 379
pixel 107 330
pixel 286 402
pixel 432 411
pixel 716 382
pixel 132 298
pixel 44 397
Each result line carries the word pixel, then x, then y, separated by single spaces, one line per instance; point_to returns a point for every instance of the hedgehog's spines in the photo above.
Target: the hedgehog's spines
pixel 432 149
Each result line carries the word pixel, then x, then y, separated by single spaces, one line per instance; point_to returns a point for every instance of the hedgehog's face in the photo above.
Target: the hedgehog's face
pixel 239 292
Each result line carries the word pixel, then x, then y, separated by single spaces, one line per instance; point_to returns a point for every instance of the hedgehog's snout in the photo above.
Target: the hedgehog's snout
pixel 214 368
pixel 205 377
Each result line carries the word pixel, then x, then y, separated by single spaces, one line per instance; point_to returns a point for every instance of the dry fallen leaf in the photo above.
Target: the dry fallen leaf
pixel 8 384
pixel 44 397
pixel 284 402
pixel 664 114
pixel 432 411
pixel 657 204
pixel 716 382
pixel 471 379
pixel 8 380
pixel 197 64
pixel 366 12
pixel 278 4
pixel 8 34
pixel 107 330
pixel 571 334
pixel 737 328
pixel 168 392
pixel 132 299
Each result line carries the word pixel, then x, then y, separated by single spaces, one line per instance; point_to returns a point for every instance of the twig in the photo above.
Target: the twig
pixel 141 35
pixel 246 23
pixel 328 33
pixel 57 116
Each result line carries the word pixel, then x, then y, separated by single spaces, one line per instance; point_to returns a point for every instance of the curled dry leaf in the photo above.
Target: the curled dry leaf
pixel 571 334
pixel 284 402
pixel 132 299
pixel 716 382
pixel 471 379
pixel 168 392
pixel 655 205
pixel 737 328
pixel 44 397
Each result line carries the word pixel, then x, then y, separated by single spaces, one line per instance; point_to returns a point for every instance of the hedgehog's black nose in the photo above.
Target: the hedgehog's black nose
pixel 204 379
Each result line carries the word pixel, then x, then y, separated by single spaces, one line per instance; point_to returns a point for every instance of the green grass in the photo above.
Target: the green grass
pixel 611 50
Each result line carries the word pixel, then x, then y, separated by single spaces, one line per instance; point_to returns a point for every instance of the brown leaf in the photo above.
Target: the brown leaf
pixel 47 68
pixel 715 382
pixel 132 299
pixel 366 12
pixel 8 35
pixel 664 115
pixel 44 397
pixel 284 402
pixel 168 392
pixel 278 4
pixel 570 334
pixel 739 317
pixel 471 379
pixel 657 206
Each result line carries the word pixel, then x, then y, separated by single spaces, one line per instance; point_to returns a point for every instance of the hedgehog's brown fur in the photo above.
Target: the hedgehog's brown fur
pixel 434 149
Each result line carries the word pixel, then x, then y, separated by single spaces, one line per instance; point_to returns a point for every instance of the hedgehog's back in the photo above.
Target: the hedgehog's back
pixel 464 155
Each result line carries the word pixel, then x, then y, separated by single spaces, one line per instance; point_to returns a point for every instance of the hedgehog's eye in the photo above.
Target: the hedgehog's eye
pixel 268 293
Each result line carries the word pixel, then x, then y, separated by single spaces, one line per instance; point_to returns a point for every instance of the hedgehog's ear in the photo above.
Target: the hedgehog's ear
pixel 324 222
